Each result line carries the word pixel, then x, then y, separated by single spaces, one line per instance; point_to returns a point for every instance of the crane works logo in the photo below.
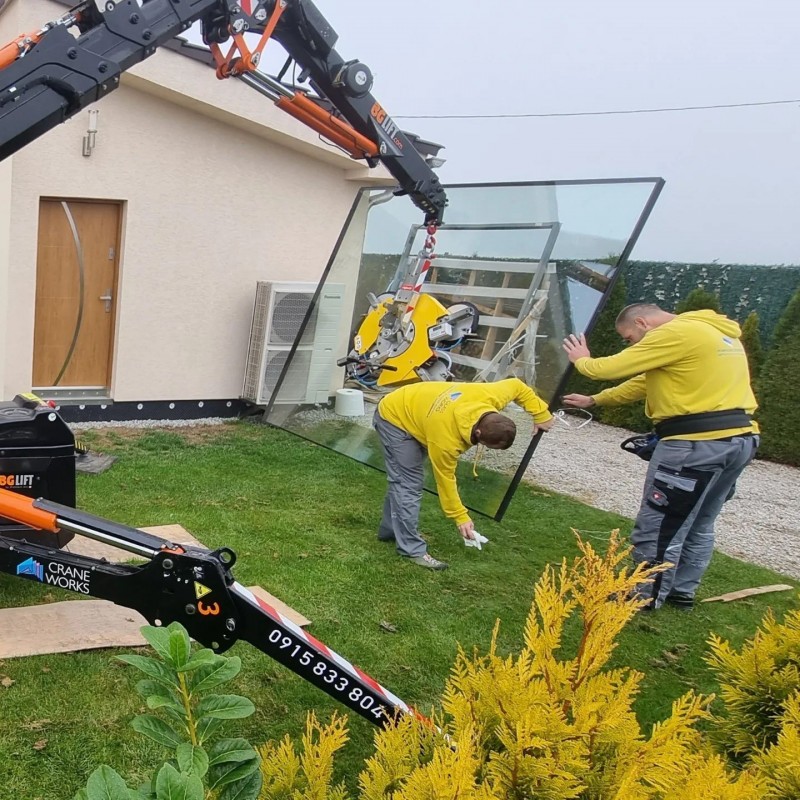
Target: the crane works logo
pixel 64 576
pixel 16 481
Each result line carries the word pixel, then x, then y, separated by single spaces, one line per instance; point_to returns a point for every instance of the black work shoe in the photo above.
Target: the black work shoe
pixel 683 602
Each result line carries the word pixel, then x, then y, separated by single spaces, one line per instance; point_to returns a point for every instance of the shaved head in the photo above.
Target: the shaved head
pixel 629 313
pixel 635 320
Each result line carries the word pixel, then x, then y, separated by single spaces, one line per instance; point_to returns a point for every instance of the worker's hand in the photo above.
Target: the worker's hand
pixel 575 347
pixel 543 426
pixel 467 529
pixel 578 400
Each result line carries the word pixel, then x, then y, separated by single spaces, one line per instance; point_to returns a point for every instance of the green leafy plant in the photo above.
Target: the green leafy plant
pixel 203 766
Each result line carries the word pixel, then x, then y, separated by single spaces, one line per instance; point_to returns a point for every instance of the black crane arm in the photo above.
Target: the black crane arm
pixel 49 75
pixel 183 584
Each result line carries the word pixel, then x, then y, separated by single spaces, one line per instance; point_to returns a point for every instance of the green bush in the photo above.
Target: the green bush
pixel 698 299
pixel 778 381
pixel 779 763
pixel 751 341
pixel 760 728
pixel 631 416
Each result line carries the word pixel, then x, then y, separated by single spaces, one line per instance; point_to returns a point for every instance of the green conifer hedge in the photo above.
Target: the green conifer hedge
pixel 778 382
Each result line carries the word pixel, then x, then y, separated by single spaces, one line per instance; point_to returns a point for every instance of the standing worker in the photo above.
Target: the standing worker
pixel 691 370
pixel 446 419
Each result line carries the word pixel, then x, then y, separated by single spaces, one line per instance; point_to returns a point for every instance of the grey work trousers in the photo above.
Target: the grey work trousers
pixel 686 485
pixel 404 457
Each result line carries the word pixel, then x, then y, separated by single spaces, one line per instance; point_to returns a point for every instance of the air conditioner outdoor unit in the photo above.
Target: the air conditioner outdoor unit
pixel 279 310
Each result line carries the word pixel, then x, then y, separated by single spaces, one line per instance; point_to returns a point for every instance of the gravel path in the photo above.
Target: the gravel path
pixel 760 524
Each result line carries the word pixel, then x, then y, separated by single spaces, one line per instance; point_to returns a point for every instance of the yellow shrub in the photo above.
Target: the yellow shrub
pixel 289 776
pixel 760 687
pixel 780 764
pixel 545 723
pixel 757 682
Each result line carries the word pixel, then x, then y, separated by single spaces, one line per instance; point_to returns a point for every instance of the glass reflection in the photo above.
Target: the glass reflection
pixel 516 268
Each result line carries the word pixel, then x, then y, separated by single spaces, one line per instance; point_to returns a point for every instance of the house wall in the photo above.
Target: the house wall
pixel 8 31
pixel 5 253
pixel 210 207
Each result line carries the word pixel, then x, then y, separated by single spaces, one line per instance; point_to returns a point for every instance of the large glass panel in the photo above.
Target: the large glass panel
pixel 516 267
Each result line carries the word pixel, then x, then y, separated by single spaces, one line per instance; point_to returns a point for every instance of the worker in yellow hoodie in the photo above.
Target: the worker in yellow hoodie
pixel 692 372
pixel 444 420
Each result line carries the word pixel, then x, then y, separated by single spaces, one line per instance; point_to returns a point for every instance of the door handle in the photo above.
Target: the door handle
pixel 107 298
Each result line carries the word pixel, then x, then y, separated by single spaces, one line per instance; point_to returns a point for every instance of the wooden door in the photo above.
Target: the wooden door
pixel 76 288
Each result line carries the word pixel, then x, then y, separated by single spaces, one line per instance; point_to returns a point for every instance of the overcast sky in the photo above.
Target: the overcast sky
pixel 732 175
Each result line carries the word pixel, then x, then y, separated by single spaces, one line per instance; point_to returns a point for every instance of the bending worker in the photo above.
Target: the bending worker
pixel 446 419
pixel 692 371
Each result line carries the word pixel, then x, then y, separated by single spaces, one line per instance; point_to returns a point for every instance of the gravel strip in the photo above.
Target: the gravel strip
pixel 151 423
pixel 760 524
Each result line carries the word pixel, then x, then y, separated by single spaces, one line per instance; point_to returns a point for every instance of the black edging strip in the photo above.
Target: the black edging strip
pixel 151 410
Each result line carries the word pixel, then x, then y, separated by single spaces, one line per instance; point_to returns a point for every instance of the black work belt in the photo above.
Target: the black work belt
pixel 705 422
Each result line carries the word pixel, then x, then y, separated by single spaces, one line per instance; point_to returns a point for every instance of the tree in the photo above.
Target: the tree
pixel 780 375
pixel 751 341
pixel 698 299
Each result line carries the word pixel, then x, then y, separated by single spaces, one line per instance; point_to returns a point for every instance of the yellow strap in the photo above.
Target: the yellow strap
pixel 476 459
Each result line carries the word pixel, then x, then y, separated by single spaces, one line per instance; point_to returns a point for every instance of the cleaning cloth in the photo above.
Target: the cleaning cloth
pixel 478 541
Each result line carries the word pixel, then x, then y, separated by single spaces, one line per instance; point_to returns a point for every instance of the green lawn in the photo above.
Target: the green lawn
pixel 302 521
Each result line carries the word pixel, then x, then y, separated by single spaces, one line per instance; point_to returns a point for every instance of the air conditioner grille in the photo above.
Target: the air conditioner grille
pixel 295 383
pixel 288 313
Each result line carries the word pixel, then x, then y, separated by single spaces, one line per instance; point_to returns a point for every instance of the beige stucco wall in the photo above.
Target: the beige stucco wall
pixel 5 250
pixel 8 30
pixel 220 190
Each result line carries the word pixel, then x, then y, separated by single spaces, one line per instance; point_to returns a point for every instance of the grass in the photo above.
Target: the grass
pixel 302 522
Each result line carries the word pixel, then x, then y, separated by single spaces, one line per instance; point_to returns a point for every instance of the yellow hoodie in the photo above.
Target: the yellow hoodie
pixel 441 417
pixel 691 364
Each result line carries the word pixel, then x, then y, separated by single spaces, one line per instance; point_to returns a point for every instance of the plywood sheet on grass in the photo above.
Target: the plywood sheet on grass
pixel 67 627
